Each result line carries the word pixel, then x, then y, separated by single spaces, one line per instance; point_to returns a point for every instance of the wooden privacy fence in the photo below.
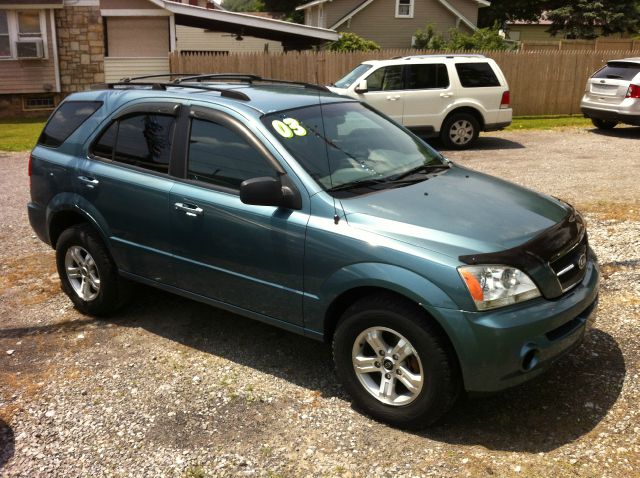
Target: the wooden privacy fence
pixel 604 43
pixel 541 82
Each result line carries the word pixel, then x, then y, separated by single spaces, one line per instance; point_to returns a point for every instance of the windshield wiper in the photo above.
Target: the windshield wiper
pixel 364 183
pixel 421 169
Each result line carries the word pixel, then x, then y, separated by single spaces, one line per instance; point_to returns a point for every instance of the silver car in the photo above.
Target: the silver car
pixel 612 94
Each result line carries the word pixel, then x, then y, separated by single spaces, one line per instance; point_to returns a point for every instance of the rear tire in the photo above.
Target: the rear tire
pixel 603 124
pixel 418 367
pixel 460 131
pixel 87 273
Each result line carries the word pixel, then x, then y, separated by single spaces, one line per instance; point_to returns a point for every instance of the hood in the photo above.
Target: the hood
pixel 456 212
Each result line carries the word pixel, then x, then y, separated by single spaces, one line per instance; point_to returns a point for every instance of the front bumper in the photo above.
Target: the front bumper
pixel 505 347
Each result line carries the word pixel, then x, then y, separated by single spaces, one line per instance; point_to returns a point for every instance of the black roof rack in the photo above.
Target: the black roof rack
pixel 248 79
pixel 234 94
pixel 146 77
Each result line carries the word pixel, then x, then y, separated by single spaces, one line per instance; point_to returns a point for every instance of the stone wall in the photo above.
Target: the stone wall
pixel 80 47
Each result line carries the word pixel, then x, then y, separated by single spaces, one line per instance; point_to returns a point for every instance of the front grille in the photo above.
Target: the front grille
pixel 570 268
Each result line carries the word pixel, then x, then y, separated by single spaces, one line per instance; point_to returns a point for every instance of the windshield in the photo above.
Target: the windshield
pixel 349 143
pixel 353 75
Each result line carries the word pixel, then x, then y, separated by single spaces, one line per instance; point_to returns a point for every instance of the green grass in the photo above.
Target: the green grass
pixel 20 134
pixel 548 122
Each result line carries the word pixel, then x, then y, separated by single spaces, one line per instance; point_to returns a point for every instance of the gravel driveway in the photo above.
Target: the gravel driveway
pixel 175 388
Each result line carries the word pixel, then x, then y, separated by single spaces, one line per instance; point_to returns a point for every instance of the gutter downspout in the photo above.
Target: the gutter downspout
pixel 54 44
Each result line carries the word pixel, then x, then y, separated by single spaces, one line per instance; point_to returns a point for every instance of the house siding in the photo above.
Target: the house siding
pixel 30 76
pixel 377 22
pixel 336 9
pixel 197 39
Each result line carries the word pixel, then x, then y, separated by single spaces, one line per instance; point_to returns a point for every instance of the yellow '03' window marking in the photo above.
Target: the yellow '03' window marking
pixel 288 128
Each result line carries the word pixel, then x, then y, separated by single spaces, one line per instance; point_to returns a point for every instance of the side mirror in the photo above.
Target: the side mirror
pixel 262 192
pixel 362 87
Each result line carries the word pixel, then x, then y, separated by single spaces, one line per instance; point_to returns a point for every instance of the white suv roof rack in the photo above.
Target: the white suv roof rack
pixel 454 55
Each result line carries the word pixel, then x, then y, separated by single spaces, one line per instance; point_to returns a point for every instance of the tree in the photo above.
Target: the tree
pixel 589 18
pixel 427 39
pixel 353 42
pixel 574 18
pixel 244 5
pixel 501 11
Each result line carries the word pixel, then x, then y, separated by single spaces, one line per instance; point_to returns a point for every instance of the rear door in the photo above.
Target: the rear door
pixel 609 85
pixel 386 91
pixel 428 94
pixel 126 181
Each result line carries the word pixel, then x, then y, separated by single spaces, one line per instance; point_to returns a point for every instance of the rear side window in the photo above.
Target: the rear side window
pixel 422 77
pixel 218 155
pixel 618 70
pixel 66 119
pixel 142 140
pixel 476 75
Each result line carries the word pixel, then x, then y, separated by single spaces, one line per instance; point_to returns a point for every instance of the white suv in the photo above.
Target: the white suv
pixel 453 96
pixel 612 95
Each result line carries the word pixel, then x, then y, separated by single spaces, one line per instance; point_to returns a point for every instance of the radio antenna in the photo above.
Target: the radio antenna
pixel 336 216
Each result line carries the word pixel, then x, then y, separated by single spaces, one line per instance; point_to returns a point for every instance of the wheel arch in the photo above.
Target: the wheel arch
pixel 67 210
pixel 467 109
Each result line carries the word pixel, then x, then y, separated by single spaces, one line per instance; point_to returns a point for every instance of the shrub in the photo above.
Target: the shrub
pixel 353 42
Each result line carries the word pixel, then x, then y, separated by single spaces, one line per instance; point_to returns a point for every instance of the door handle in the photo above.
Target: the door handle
pixel 89 182
pixel 189 209
pixel 446 95
pixel 393 98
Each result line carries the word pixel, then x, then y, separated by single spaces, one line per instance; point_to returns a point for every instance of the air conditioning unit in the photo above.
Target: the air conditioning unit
pixel 30 49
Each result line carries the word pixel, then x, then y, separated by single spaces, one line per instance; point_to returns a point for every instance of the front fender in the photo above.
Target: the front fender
pixel 379 275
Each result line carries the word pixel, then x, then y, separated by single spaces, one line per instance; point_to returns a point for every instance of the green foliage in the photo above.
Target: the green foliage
pixel 353 42
pixel 244 5
pixel 427 39
pixel 481 39
pixel 587 19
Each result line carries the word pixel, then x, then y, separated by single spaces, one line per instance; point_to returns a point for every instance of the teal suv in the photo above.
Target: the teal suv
pixel 313 212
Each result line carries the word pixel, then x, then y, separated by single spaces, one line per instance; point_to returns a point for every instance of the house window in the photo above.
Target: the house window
pixel 22 34
pixel 5 40
pixel 37 103
pixel 404 8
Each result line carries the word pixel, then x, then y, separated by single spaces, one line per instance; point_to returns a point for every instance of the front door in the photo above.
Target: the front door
pixel 385 91
pixel 242 255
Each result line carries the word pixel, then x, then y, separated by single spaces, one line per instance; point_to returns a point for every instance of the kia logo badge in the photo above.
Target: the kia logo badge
pixel 582 261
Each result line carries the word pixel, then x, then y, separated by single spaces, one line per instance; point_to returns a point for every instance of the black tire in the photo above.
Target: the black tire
pixel 603 124
pixel 452 123
pixel 113 291
pixel 441 377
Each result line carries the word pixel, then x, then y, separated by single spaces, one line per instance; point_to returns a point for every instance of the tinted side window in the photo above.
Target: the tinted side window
pixel 384 79
pixel 421 77
pixel 476 75
pixel 220 156
pixel 145 140
pixel 66 119
pixel 103 147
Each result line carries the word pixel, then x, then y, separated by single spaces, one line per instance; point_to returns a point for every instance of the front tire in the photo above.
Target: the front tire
pixel 88 275
pixel 604 124
pixel 460 131
pixel 395 363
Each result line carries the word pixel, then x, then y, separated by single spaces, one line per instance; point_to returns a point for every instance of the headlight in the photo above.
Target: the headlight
pixel 497 286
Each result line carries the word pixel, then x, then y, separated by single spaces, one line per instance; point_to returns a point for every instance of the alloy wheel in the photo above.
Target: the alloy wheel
pixel 388 366
pixel 82 273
